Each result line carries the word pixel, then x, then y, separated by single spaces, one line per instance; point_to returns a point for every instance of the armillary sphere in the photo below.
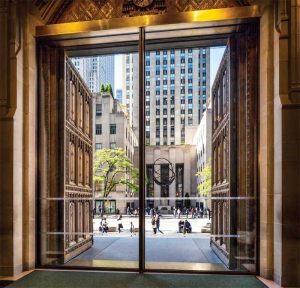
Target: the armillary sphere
pixel 163 181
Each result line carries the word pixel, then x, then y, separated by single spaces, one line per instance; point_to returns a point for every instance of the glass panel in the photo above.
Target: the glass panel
pixel 193 221
pixel 93 220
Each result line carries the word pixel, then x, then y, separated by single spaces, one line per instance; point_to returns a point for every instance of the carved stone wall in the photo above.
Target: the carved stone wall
pixel 234 143
pixel 62 11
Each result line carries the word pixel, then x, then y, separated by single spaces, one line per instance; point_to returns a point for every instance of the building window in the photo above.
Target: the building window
pixel 113 129
pixel 98 109
pixel 179 180
pixel 172 131
pixel 98 146
pixel 98 129
pixel 113 145
pixel 150 182
pixel 164 174
pixel 157 132
pixel 165 132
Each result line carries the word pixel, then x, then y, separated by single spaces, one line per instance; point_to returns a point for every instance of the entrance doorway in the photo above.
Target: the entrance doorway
pixel 167 187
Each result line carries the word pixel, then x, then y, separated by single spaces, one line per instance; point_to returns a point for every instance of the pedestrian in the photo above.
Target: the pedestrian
pixel 157 220
pixel 103 226
pixel 131 229
pixel 174 211
pixel 119 221
pixel 178 212
pixel 153 223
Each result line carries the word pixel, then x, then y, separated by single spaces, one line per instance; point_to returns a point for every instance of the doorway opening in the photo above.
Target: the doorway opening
pixel 160 177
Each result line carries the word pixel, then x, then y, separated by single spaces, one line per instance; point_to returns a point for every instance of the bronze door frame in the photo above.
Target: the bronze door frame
pixel 60 40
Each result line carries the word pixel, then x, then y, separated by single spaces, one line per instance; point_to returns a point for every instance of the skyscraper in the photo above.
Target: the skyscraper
pixel 177 85
pixel 119 95
pixel 96 70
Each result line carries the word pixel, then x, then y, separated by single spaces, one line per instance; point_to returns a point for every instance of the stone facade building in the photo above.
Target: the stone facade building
pixel 202 140
pixel 177 87
pixel 112 130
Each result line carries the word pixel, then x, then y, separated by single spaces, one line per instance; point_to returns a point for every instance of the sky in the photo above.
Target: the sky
pixel 216 54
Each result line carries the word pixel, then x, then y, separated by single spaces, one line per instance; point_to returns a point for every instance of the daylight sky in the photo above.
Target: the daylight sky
pixel 216 54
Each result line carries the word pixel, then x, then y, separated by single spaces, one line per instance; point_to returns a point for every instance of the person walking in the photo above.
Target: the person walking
pixel 104 226
pixel 131 229
pixel 119 221
pixel 153 223
pixel 157 220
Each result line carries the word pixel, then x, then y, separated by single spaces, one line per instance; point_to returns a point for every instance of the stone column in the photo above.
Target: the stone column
pixel 11 152
pixel 287 150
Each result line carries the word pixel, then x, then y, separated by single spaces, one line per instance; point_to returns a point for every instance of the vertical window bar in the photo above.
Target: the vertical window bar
pixel 141 150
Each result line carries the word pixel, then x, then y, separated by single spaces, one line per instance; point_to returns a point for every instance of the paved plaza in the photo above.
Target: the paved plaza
pixel 168 225
pixel 169 247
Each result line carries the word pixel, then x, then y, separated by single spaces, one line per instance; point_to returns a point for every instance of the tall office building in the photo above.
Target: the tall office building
pixel 96 70
pixel 130 88
pixel 177 86
pixel 119 95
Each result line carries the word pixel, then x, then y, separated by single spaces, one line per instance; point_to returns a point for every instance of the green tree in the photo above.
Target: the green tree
pixel 109 89
pixel 102 88
pixel 204 187
pixel 112 168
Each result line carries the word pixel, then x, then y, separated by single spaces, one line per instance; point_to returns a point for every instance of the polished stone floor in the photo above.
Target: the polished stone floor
pixel 186 253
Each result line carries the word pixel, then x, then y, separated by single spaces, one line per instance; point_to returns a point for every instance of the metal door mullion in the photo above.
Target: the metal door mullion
pixel 141 149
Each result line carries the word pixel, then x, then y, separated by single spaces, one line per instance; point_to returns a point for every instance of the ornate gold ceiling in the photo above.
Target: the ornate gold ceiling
pixel 61 11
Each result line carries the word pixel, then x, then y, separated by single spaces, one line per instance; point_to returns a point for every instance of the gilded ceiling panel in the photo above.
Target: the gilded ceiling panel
pixel 61 11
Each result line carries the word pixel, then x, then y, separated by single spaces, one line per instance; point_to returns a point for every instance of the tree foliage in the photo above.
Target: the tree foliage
pixel 204 187
pixel 102 88
pixel 107 88
pixel 112 168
